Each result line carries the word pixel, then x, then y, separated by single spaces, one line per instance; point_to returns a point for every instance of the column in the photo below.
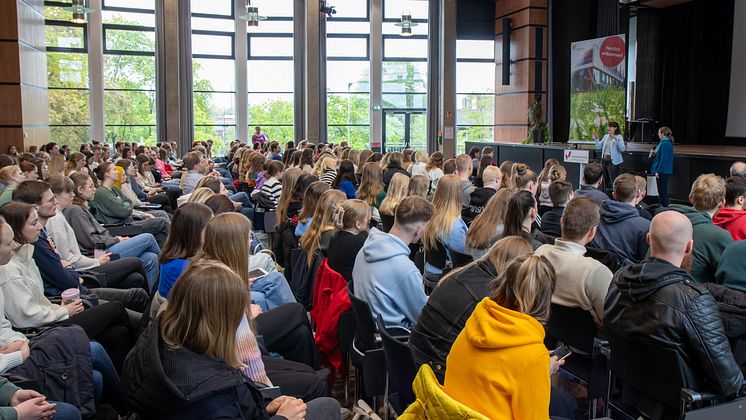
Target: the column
pixel 447 75
pixel 376 63
pixel 241 64
pixel 314 74
pixel 96 71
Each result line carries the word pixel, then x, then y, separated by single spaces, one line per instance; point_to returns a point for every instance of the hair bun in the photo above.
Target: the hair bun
pixel 520 168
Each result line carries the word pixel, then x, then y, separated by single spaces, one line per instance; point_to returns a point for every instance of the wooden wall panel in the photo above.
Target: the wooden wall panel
pixel 510 134
pixel 10 68
pixel 10 104
pixel 11 136
pixel 8 20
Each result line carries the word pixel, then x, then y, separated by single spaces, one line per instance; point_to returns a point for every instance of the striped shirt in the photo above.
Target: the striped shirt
pixel 273 188
pixel 328 176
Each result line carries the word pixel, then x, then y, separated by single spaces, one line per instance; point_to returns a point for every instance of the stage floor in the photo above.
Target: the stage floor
pixel 728 152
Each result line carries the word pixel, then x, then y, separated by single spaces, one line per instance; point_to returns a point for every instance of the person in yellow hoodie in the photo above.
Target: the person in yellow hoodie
pixel 499 365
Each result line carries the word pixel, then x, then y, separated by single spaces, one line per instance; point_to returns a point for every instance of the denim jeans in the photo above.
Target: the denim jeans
pixel 240 197
pixel 225 173
pixel 65 411
pixel 109 385
pixel 271 291
pixel 145 248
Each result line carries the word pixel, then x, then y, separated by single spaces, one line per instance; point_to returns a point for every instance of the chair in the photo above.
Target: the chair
pixel 438 258
pixel 575 328
pixel 346 330
pixel 655 384
pixel 400 368
pixel 367 354
pixel 458 259
pixel 387 221
pixel 270 222
pixel 607 258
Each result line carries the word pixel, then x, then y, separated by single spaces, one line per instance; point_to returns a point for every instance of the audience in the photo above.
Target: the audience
pixel 519 216
pixel 491 178
pixel 345 180
pixel 464 167
pixel 394 166
pixel 434 169
pixel 315 241
pixel 622 230
pixel 487 228
pixel 384 276
pixel 310 202
pixel 707 196
pixel 592 181
pixel 446 228
pixel 732 217
pixel 560 193
pixel 552 172
pixel 738 169
pixel 642 191
pixel 351 220
pixel 582 282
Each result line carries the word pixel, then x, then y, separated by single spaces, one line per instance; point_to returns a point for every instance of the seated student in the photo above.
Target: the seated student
pixel 397 190
pixel 622 230
pixel 371 188
pixel 27 307
pixel 22 404
pixel 707 196
pixel 659 303
pixel 294 184
pixel 272 188
pixel 122 273
pixel 112 207
pixel 394 166
pixel 138 192
pixel 519 217
pixel 446 226
pixel 732 217
pixel 552 171
pixel 592 181
pixel 418 185
pixel 582 282
pixel 310 202
pixel 352 219
pixel 89 232
pixel 186 364
pixel 491 178
pixel 732 267
pixel 10 177
pixel 487 228
pixel 345 180
pixel 463 169
pixel 383 274
pixel 452 302
pixel 560 192
pixel 57 274
pixel 505 332
pixel 315 242
pixel 642 191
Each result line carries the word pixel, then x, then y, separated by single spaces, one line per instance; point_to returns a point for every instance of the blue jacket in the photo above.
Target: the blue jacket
pixel 622 231
pixel 615 150
pixel 388 280
pixel 456 241
pixel 170 272
pixel 591 192
pixel 347 188
pixel 663 159
pixel 56 279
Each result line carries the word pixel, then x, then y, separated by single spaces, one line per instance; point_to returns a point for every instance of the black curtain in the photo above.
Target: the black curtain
pixel 607 19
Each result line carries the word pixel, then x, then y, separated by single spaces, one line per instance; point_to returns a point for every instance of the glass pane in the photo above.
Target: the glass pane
pixel 272 27
pixel 405 100
pixel 346 47
pixel 343 109
pixel 394 132
pixel 221 135
pixel 418 131
pixel 129 107
pixel 212 7
pixel 131 4
pixel 270 109
pixel 475 77
pixel 214 108
pixel 212 44
pixel 395 8
pixel 475 49
pixel 357 136
pixel 480 134
pixel 348 76
pixel 207 24
pixel 281 133
pixel 404 48
pixel 334 27
pixel 56 13
pixel 126 40
pixel 404 77
pixel 129 72
pixel 270 46
pixel 475 110
pixel 132 19
pixel 275 8
pixel 390 28
pixel 270 76
pixel 211 74
pixel 67 70
pixel 72 136
pixel 140 134
pixel 65 36
pixel 68 107
pixel 351 9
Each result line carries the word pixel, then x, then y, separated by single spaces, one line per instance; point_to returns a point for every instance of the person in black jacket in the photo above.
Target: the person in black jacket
pixel 186 365
pixel 452 302
pixel 560 192
pixel 351 218
pixel 657 302
pixel 393 167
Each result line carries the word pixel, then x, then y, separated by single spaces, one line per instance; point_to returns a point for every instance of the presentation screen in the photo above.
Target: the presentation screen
pixel 737 107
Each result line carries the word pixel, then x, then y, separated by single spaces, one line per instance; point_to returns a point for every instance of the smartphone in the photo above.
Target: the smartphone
pixel 562 352
pixel 100 250
pixel 256 274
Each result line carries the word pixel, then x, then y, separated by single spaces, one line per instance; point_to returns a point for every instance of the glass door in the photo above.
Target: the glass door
pixel 404 129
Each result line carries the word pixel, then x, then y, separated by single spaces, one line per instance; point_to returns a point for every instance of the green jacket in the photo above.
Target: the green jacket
pixel 111 206
pixel 732 266
pixel 7 389
pixel 7 195
pixel 710 242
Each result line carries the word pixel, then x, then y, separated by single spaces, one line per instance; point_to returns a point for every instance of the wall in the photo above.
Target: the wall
pixel 24 120
pixel 512 101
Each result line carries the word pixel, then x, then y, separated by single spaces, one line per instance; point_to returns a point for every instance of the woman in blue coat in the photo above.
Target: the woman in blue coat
pixel 663 163
pixel 611 147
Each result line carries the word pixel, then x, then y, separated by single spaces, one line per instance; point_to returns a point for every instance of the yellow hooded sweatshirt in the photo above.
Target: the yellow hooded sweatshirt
pixel 499 365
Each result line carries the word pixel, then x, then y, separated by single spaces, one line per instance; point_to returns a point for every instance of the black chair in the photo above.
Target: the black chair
pixel 575 328
pixel 400 369
pixel 459 260
pixel 438 258
pixel 607 258
pixel 656 385
pixel 367 353
pixel 387 221
pixel 346 331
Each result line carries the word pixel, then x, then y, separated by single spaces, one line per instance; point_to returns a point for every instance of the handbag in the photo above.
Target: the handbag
pixel 363 411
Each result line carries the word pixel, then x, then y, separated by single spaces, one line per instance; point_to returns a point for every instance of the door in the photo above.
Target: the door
pixel 404 129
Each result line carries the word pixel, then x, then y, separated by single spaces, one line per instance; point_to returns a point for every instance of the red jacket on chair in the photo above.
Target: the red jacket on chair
pixel 330 300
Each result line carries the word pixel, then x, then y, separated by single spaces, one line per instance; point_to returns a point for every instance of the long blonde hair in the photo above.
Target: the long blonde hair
pixel 227 239
pixel 502 253
pixel 526 286
pixel 398 188
pixel 447 200
pixel 324 164
pixel 322 221
pixel 483 228
pixel 371 183
pixel 506 168
pixel 544 174
pixel 418 185
pixel 200 195
pixel 289 181
pixel 311 200
pixel 205 308
pixel 349 212
pixel 57 165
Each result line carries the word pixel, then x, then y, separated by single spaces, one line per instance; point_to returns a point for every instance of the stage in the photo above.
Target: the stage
pixel 690 161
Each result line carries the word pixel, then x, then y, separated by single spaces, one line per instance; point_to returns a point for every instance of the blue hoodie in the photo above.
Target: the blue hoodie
pixel 622 231
pixel 388 280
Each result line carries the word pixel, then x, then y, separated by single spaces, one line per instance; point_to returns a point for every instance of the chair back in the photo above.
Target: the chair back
pixel 459 260
pixel 605 257
pixel 270 222
pixel 365 334
pixel 400 366
pixel 572 326
pixel 437 257
pixel 387 221
pixel 346 330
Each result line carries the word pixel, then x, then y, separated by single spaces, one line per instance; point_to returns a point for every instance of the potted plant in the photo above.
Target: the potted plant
pixel 537 126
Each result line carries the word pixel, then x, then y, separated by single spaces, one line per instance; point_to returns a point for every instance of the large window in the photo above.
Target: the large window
pixel 129 70
pixel 67 73
pixel 213 71
pixel 270 71
pixel 475 88
pixel 348 74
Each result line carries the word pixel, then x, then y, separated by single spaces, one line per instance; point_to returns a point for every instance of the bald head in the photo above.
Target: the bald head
pixel 738 169
pixel 670 235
